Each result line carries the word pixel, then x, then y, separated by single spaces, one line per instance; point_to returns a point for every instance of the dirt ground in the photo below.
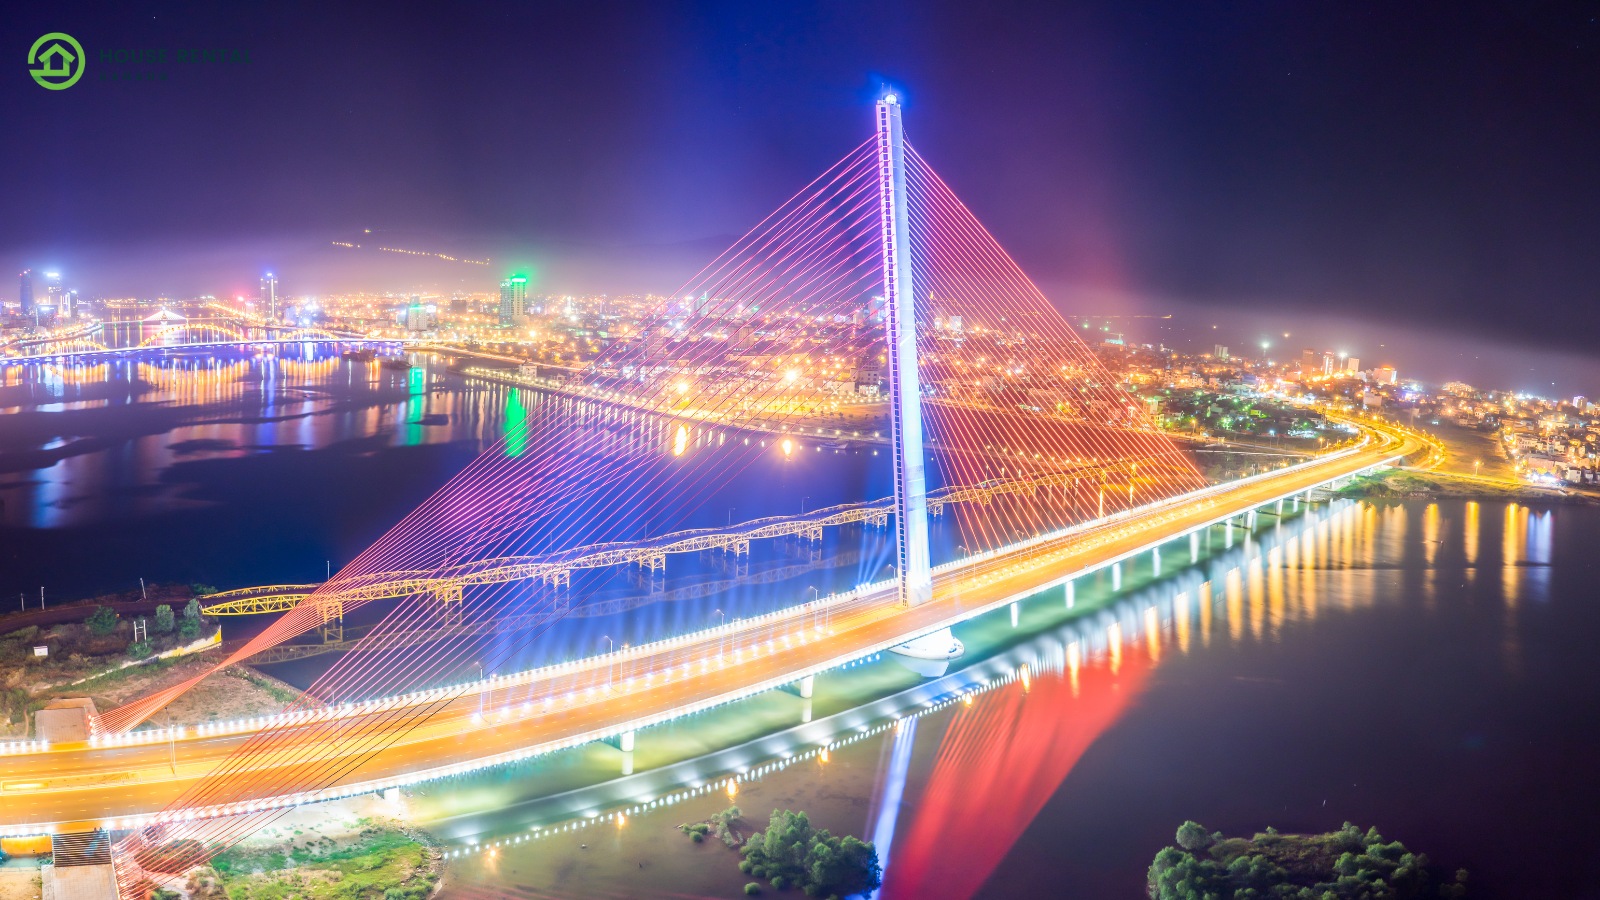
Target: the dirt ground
pixel 19 882
pixel 235 692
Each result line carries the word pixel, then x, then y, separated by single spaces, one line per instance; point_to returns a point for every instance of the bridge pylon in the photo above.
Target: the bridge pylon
pixel 914 572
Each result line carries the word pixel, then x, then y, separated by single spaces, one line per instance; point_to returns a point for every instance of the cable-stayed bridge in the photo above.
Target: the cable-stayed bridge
pixel 1001 419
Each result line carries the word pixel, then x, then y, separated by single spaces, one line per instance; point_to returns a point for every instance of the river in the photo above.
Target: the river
pixel 1424 668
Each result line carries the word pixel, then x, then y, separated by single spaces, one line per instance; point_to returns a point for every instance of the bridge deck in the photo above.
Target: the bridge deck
pixel 77 783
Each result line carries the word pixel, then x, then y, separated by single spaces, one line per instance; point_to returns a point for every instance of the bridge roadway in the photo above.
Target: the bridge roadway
pixel 70 785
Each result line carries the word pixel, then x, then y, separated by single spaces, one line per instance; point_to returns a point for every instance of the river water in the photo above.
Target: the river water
pixel 1425 668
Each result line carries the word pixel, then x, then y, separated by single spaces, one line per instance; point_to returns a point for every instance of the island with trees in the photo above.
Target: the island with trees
pixel 1348 864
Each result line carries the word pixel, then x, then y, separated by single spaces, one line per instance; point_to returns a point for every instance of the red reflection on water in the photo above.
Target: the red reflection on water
pixel 1000 760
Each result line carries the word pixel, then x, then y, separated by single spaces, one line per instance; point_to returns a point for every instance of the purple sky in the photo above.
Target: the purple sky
pixel 1355 174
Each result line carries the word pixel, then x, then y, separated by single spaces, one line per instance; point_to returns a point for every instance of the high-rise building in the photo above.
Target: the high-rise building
pixel 1385 375
pixel 417 316
pixel 1219 352
pixel 513 299
pixel 1352 365
pixel 55 298
pixel 25 291
pixel 269 296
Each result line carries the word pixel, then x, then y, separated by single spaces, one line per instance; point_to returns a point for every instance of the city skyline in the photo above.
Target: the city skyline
pixel 1108 220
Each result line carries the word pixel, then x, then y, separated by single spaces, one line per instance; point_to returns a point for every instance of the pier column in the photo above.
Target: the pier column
pixel 1072 594
pixel 1194 547
pixel 625 742
pixel 1014 614
pixel 808 686
pixel 1116 576
pixel 1227 533
pixel 1155 560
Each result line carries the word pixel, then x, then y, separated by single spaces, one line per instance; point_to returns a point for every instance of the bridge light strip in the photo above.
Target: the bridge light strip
pixel 1069 655
pixel 310 716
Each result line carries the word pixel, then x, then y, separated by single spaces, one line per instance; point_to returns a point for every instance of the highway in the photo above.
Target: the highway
pixel 545 710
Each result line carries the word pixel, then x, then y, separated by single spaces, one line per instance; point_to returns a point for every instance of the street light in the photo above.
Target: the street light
pixel 722 627
pixel 611 647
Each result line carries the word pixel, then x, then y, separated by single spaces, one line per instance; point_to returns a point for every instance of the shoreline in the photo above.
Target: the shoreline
pixel 1409 484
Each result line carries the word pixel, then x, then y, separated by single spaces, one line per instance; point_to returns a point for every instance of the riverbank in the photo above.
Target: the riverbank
pixel 352 850
pixel 1406 484
pixel 233 693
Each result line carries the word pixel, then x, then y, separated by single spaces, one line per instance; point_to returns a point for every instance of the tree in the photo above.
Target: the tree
pixel 792 853
pixel 1193 836
pixel 165 620
pixel 102 621
pixel 190 628
pixel 842 866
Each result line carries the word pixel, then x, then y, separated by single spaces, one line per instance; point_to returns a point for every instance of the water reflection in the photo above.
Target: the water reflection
pixel 90 443
pixel 995 739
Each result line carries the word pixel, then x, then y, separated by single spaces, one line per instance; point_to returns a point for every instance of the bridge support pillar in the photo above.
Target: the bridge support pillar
pixel 1227 533
pixel 808 686
pixel 1280 507
pixel 1250 520
pixel 1014 613
pixel 1155 560
pixel 914 572
pixel 1194 547
pixel 1072 594
pixel 625 742
pixel 1116 576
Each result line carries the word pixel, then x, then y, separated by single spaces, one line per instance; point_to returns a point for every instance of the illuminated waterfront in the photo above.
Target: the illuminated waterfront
pixel 1369 663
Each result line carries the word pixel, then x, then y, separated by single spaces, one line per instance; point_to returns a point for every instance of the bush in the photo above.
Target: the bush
pixel 139 649
pixel 202 590
pixel 102 621
pixel 753 888
pixel 165 620
pixel 1192 836
pixel 791 852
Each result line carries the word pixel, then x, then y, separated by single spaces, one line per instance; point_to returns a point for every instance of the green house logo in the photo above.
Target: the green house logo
pixel 56 61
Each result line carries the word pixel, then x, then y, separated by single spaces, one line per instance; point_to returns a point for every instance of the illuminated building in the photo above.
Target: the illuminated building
pixel 26 291
pixel 513 299
pixel 54 298
pixel 269 296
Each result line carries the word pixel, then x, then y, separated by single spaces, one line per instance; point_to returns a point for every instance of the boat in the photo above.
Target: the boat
pixel 397 363
pixel 365 354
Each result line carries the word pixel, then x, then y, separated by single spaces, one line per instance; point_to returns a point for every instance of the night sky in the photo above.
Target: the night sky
pixel 1425 177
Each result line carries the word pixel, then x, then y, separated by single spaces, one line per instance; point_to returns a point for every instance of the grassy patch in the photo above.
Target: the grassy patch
pixel 380 864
